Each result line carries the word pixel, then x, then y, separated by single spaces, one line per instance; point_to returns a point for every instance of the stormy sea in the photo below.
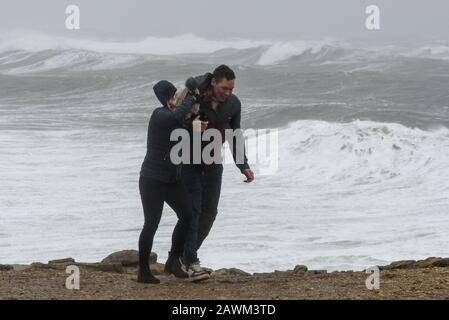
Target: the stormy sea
pixel 361 174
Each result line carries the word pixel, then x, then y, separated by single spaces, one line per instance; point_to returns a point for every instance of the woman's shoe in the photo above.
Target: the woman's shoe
pixel 147 277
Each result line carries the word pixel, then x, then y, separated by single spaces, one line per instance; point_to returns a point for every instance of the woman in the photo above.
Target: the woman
pixel 160 181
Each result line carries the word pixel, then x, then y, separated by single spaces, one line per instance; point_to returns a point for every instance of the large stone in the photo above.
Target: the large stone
pixel 262 274
pixel 153 257
pixel 158 269
pixel 433 262
pixel 231 272
pixel 127 258
pixel 110 267
pixel 282 272
pixel 41 265
pixel 54 266
pixel 66 260
pixel 317 271
pixel 299 269
pixel 60 266
pixel 403 264
pixel 105 267
pixel 21 267
pixel 5 267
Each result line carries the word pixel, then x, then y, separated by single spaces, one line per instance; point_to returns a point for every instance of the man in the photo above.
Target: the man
pixel 221 110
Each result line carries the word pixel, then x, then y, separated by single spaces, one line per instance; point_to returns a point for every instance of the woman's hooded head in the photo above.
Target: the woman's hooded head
pixel 164 91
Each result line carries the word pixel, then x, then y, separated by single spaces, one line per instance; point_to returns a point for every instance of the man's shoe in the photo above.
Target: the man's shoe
pixel 147 277
pixel 196 273
pixel 175 266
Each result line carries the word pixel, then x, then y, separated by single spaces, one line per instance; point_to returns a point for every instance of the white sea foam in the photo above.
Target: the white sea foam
pixel 187 43
pixel 281 51
pixel 70 52
pixel 345 196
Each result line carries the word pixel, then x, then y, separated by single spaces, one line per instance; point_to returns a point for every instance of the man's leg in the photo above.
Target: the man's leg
pixel 178 199
pixel 192 180
pixel 211 187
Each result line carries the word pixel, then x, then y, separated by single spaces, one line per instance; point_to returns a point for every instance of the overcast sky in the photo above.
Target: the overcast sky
pixel 251 19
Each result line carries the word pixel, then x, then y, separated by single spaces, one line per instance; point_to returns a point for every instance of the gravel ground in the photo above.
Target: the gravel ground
pixel 41 282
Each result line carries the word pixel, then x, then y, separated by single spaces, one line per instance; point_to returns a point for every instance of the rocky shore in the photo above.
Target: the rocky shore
pixel 115 278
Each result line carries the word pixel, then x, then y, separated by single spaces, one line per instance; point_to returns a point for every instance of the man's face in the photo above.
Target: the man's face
pixel 222 89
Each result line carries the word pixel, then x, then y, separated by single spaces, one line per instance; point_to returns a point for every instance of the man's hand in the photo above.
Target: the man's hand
pixel 249 174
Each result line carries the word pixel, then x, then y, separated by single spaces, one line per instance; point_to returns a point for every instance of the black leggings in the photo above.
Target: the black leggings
pixel 153 194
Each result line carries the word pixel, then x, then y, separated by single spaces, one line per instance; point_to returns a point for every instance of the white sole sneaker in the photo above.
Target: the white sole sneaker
pixel 199 277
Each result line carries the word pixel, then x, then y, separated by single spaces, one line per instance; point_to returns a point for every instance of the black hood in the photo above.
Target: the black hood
pixel 164 90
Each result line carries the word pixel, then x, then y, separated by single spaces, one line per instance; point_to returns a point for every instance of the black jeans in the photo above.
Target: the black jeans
pixel 204 188
pixel 153 194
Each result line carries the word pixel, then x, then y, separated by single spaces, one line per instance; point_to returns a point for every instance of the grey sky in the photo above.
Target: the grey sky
pixel 252 19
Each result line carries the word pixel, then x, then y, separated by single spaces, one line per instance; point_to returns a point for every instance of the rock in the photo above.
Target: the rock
pixel 299 269
pixel 282 273
pixel 66 260
pixel 231 272
pixel 278 272
pixel 127 258
pixel 41 265
pixel 21 267
pixel 110 267
pixel 153 257
pixel 59 266
pixel 87 265
pixel 105 267
pixel 54 266
pixel 6 267
pixel 233 280
pixel 317 271
pixel 433 262
pixel 158 269
pixel 262 274
pixel 403 264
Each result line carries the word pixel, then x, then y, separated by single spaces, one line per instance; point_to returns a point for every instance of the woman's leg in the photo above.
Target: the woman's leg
pixel 178 199
pixel 152 193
